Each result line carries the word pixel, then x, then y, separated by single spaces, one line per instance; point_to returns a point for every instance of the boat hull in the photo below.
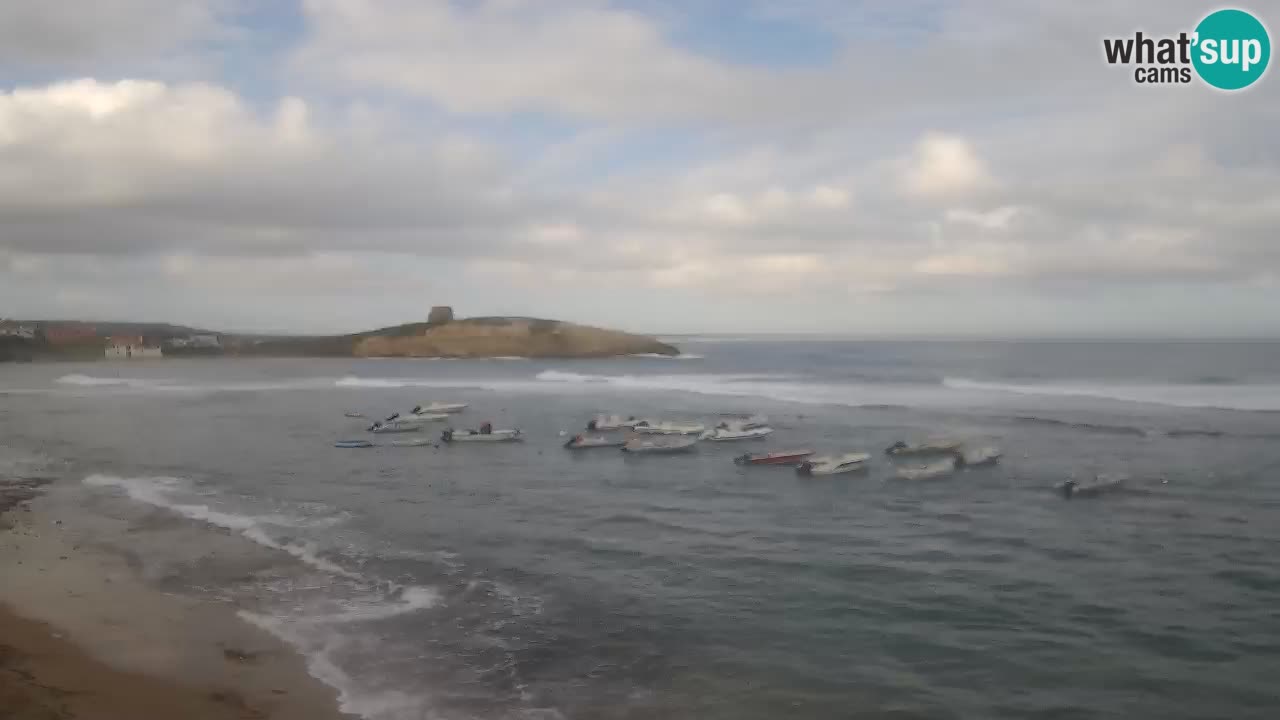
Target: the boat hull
pixel 773 459
pixel 720 435
pixel 497 436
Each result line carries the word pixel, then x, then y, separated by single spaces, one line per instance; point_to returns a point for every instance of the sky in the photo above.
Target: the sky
pixel 896 168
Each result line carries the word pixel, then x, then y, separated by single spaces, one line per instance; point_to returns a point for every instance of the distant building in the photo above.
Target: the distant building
pixel 204 341
pixel 131 347
pixel 69 333
pixel 10 328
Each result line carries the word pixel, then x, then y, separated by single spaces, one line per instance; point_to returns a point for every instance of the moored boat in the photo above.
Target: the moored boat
pixel 780 457
pixel 612 422
pixel 394 426
pixel 927 447
pixel 452 436
pixel 669 428
pixel 1100 485
pixel 353 444
pixel 660 444
pixel 741 430
pixel 584 442
pixel 426 417
pixel 834 464
pixel 438 407
pixel 978 457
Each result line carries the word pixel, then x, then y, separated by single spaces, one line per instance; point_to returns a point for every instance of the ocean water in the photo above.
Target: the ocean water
pixel 526 581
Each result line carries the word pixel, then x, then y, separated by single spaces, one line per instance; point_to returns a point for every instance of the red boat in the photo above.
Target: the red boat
pixel 782 457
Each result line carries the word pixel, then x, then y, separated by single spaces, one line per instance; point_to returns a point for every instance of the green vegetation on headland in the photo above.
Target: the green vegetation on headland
pixel 441 336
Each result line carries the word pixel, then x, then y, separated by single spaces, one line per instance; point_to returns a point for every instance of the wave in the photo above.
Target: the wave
pixel 156 491
pixel 660 356
pixel 92 381
pixel 1086 426
pixel 1222 396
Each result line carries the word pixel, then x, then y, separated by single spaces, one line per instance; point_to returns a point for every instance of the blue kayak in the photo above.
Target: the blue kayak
pixel 353 444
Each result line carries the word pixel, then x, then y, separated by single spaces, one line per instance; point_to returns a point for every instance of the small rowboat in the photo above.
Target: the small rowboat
pixel 669 428
pixel 353 444
pixel 585 442
pixel 611 422
pixel 781 457
pixel 834 464
pixel 493 436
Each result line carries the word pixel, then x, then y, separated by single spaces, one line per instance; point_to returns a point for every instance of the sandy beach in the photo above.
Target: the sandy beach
pixel 84 636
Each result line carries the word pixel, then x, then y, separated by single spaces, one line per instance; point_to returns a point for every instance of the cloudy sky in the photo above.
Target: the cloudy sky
pixel 908 167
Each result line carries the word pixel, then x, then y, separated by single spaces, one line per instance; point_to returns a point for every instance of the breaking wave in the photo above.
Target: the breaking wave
pixel 92 381
pixel 1253 397
pixel 158 491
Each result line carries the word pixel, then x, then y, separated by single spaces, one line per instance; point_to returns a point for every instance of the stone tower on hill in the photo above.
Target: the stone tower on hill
pixel 440 314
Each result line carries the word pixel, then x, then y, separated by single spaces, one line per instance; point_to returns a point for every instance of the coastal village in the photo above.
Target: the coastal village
pixel 24 341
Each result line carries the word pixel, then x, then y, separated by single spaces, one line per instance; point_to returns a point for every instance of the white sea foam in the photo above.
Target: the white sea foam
pixel 93 381
pixel 319 644
pixel 1231 397
pixel 660 356
pixel 158 491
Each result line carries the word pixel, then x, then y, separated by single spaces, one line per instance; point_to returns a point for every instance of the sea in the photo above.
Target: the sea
pixel 524 580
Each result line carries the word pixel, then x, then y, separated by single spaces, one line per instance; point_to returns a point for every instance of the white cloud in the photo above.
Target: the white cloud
pixel 944 165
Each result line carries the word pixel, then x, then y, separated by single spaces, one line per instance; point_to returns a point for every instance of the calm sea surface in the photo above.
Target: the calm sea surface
pixel 527 581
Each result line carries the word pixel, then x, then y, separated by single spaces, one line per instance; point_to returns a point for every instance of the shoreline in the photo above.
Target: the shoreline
pixel 84 635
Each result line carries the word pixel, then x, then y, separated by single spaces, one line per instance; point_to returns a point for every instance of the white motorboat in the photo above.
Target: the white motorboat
pixel 834 464
pixel 1100 485
pixel 452 436
pixel 611 422
pixel 438 407
pixel 978 457
pixel 426 417
pixel 394 426
pixel 660 444
pixel 927 447
pixel 584 442
pixel 669 428
pixel 737 430
pixel 928 471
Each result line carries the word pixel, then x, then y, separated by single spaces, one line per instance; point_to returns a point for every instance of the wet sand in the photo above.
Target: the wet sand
pixel 82 636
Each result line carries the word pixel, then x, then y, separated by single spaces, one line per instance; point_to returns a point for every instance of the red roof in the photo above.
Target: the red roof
pixel 124 340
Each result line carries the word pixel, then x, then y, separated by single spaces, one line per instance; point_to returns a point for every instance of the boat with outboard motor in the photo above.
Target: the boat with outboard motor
pixel 648 427
pixel 586 442
pixel 1100 485
pixel 603 422
pixel 438 407
pixel 660 444
pixel 750 429
pixel 482 435
pixel 927 447
pixel 779 457
pixel 394 425
pixel 834 464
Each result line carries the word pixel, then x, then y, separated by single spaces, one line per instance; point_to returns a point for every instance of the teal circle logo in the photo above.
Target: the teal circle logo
pixel 1232 49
